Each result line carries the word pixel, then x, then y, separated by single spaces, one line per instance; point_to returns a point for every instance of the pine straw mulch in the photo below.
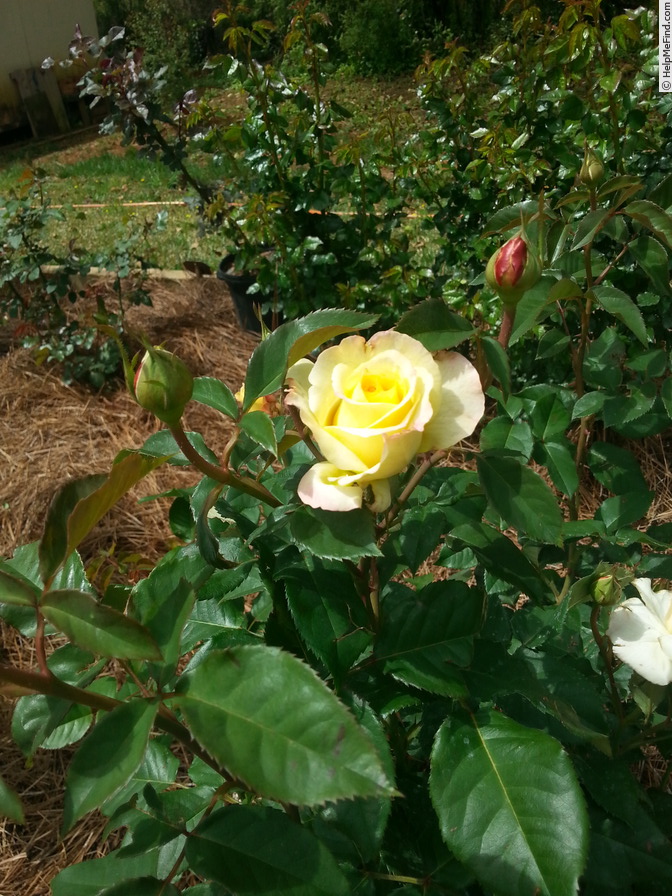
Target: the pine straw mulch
pixel 50 432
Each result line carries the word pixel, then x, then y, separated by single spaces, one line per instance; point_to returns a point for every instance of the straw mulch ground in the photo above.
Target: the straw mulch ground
pixel 50 432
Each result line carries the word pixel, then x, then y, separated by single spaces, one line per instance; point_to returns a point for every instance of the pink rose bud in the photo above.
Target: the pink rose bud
pixel 163 385
pixel 512 269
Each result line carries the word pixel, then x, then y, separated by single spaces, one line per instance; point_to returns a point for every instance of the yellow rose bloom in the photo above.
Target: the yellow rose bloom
pixel 371 407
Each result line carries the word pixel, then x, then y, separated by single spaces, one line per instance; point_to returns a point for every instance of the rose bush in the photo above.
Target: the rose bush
pixel 371 407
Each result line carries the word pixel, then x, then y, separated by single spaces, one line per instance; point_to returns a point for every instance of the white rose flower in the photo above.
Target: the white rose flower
pixel 640 630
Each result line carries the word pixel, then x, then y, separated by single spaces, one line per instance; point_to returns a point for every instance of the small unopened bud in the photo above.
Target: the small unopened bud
pixel 592 169
pixel 607 590
pixel 163 385
pixel 270 404
pixel 512 269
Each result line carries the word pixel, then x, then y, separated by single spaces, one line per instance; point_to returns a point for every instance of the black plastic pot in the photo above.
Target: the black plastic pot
pixel 243 302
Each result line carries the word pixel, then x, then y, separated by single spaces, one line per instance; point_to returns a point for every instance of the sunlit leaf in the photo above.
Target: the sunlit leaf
pixel 268 719
pixel 509 805
pixel 98 628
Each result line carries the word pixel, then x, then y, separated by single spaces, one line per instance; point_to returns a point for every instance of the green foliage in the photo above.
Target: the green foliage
pixel 413 698
pixel 443 688
pixel 40 289
pixel 378 37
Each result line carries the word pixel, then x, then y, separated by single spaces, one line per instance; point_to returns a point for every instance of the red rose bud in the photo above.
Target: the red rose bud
pixel 163 385
pixel 512 269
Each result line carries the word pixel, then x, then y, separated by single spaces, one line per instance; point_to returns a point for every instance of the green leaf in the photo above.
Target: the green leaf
pixel 180 519
pixel 661 194
pixel 362 821
pixel 422 528
pixel 256 849
pixel 259 427
pixel 107 758
pixel 14 590
pixel 548 416
pixel 589 404
pixel 624 510
pixel 334 535
pixel 521 497
pixel 653 217
pixel 141 886
pixel 511 216
pixel 98 628
pixel 53 547
pixel 291 341
pixel 563 289
pixel 215 394
pixel 653 259
pixel 163 445
pixel 534 306
pixel 426 633
pixel 589 227
pixel 164 599
pixel 270 721
pixel 10 804
pixel 652 363
pixel 666 395
pixel 553 342
pixel 520 825
pixel 622 182
pixel 615 468
pixel 623 854
pixel 329 614
pixel 500 556
pixel 508 436
pixel 73 726
pixel 498 362
pixel 558 457
pixel 434 325
pixel 79 505
pixel 623 308
pixel 88 878
pixel 620 410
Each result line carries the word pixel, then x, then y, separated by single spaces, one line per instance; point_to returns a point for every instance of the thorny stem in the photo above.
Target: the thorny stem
pixel 374 593
pixel 397 878
pixel 415 479
pixel 611 264
pixel 242 484
pixel 586 310
pixel 180 858
pixel 605 653
pixel 40 650
pixel 50 686
pixel 508 317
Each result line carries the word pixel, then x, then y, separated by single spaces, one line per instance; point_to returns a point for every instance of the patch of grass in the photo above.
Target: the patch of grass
pixel 99 229
pixel 88 168
pixel 106 178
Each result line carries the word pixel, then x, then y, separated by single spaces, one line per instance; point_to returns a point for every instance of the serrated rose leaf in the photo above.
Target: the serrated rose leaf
pixel 271 722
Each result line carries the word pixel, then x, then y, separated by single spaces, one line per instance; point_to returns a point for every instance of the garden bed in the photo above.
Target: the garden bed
pixel 50 432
